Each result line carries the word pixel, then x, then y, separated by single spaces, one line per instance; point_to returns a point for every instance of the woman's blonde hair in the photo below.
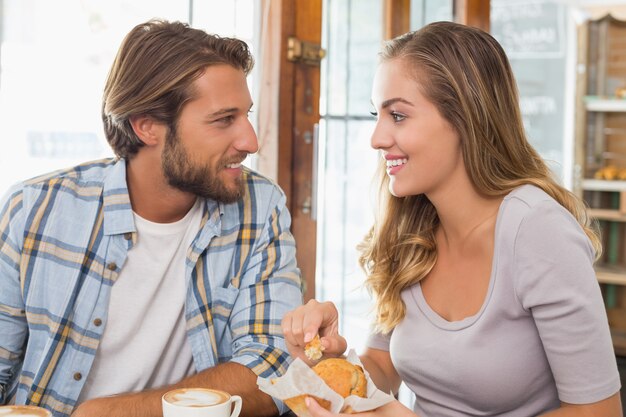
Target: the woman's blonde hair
pixel 466 74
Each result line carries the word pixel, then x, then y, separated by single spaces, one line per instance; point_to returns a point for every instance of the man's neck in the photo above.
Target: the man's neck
pixel 151 197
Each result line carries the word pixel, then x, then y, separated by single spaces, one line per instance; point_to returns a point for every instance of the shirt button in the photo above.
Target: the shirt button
pixel 78 376
pixel 128 236
pixel 97 322
pixel 112 266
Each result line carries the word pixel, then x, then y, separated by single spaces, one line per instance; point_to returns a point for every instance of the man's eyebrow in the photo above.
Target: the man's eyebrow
pixel 222 112
pixel 227 110
pixel 391 101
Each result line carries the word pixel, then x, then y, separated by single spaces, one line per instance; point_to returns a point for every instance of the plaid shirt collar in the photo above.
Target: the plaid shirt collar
pixel 118 213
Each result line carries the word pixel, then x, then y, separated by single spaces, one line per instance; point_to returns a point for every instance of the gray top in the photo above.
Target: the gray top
pixel 540 337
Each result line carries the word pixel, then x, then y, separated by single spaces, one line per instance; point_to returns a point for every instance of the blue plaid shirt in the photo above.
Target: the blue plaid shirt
pixel 64 238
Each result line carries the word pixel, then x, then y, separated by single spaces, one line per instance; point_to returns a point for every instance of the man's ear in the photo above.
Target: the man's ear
pixel 148 130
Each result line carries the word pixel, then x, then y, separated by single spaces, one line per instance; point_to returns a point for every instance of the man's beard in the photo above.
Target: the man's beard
pixel 200 180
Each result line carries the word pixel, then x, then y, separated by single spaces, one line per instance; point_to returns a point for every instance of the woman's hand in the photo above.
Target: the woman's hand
pixel 392 409
pixel 302 324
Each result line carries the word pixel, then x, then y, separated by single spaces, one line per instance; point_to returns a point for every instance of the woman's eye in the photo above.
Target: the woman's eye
pixel 374 113
pixel 397 117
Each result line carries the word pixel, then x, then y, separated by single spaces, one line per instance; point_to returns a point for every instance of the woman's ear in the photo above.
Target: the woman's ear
pixel 148 130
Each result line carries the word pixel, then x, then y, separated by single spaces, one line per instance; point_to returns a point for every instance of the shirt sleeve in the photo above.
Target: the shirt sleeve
pixel 556 283
pixel 13 326
pixel 269 288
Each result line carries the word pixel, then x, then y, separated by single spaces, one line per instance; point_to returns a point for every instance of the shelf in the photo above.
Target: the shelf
pixel 608 275
pixel 604 185
pixel 606 214
pixel 594 103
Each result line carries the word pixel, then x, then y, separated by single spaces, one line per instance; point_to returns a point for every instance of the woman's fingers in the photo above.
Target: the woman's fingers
pixel 297 324
pixel 315 319
pixel 292 327
pixel 302 324
pixel 334 345
pixel 316 410
pixel 286 326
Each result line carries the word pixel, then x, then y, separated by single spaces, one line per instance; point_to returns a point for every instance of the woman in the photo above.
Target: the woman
pixel 480 263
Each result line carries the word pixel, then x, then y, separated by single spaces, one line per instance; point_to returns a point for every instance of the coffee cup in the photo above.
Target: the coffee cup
pixel 200 402
pixel 23 411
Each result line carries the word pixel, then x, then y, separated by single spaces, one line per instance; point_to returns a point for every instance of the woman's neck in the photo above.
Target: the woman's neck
pixel 464 213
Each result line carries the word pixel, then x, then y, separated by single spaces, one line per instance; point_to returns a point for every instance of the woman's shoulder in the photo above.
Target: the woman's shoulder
pixel 530 195
pixel 529 203
pixel 532 215
pixel 529 213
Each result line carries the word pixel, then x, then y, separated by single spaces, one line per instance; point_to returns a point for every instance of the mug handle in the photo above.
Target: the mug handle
pixel 236 400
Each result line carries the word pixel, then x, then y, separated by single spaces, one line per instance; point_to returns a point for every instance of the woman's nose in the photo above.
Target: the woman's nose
pixel 380 138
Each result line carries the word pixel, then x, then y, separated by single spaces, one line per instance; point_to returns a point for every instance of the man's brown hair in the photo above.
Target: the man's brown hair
pixel 153 74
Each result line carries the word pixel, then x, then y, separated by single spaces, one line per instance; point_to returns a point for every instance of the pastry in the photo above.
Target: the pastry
pixel 313 350
pixel 341 376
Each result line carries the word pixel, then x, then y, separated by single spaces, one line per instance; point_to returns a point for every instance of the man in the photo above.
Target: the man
pixel 168 266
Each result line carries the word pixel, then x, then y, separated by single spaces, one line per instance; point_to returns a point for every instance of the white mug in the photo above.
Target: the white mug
pixel 200 402
pixel 23 411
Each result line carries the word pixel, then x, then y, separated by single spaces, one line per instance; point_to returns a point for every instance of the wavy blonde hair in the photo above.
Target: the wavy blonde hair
pixel 466 74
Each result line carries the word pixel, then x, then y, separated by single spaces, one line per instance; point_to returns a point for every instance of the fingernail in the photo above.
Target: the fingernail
pixel 308 337
pixel 307 401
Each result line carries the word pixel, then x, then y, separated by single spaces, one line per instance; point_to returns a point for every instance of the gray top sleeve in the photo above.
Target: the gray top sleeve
pixel 555 282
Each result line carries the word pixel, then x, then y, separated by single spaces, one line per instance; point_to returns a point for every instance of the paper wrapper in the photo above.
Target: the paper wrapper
pixel 301 381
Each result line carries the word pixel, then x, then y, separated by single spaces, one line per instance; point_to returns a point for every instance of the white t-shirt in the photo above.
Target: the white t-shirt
pixel 144 344
pixel 540 337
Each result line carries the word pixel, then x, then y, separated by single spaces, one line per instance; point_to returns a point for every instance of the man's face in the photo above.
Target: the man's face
pixel 203 154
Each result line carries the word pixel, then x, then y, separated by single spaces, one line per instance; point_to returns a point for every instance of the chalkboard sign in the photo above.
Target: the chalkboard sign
pixel 529 29
pixel 534 37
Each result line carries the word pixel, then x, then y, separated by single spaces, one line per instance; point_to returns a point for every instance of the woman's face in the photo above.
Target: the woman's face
pixel 422 150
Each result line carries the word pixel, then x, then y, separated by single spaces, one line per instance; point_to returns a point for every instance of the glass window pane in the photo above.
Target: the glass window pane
pixel 331 216
pixel 424 12
pixel 333 98
pixel 347 200
pixel 365 41
pixel 534 36
pixel 352 34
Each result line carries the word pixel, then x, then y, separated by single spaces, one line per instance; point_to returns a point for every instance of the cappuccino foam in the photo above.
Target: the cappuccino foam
pixel 195 397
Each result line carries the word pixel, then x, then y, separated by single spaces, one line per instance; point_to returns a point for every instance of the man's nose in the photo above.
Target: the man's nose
pixel 247 140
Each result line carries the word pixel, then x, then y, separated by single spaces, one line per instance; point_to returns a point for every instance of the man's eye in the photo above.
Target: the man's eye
pixel 397 117
pixel 226 120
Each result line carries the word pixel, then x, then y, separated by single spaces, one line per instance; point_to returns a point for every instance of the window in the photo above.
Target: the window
pixel 535 36
pixel 352 35
pixel 352 32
